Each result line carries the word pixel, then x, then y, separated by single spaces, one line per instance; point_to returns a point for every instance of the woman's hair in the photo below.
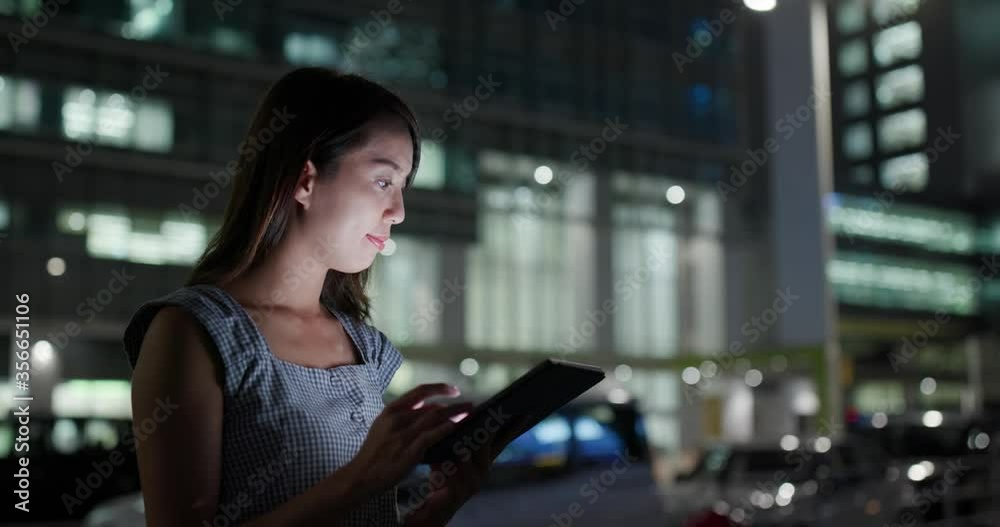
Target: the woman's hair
pixel 309 114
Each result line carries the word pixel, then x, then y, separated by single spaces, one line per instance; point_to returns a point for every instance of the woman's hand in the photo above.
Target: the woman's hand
pixel 400 434
pixel 460 480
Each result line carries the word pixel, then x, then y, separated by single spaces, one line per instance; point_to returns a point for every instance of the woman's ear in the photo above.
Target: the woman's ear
pixel 306 184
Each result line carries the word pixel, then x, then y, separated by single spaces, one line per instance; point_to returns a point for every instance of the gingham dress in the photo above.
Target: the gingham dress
pixel 285 426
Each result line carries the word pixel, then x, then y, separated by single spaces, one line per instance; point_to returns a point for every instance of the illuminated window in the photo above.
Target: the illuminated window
pixel 408 293
pixel 115 233
pixel 149 19
pixel 902 130
pixel 4 215
pixel 853 57
pixel 857 101
pixel 858 141
pixel 531 275
pixel 92 398
pixel 902 86
pixel 404 53
pixel 20 104
pixel 898 44
pixel 644 245
pixel 431 173
pixel 154 126
pixel 879 396
pixel 661 398
pixel 310 48
pixel 927 228
pixel 116 119
pixel 890 282
pixel 909 172
pixel 887 12
pixel 851 16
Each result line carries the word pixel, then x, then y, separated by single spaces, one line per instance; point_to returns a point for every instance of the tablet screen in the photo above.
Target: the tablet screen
pixel 536 394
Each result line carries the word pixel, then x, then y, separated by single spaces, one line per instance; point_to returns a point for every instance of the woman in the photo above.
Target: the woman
pixel 263 378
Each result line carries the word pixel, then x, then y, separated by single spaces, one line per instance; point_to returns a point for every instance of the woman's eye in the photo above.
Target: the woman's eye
pixel 384 183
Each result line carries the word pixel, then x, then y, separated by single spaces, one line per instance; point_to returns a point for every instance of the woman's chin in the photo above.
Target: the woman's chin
pixel 355 266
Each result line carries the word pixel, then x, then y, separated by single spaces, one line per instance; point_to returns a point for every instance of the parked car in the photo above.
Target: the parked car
pixel 947 462
pixel 817 483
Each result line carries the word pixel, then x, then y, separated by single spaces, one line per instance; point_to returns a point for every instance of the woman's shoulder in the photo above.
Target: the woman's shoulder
pixel 188 311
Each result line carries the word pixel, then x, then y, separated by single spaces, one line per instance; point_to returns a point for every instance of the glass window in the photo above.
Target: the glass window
pixel 203 27
pixel 112 118
pixel 310 49
pixel 901 86
pixel 644 266
pixel 888 12
pixel 879 396
pixel 857 101
pixel 154 130
pixel 853 57
pixel 431 173
pixel 927 228
pixel 20 104
pixel 531 281
pixel 909 172
pixel 858 141
pixel 149 19
pixel 902 130
pixel 898 44
pixel 92 398
pixel 891 282
pixel 400 53
pixel 408 292
pixel 115 233
pixel 4 215
pixel 850 16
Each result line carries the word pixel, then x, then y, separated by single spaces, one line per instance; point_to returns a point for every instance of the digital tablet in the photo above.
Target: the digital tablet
pixel 536 394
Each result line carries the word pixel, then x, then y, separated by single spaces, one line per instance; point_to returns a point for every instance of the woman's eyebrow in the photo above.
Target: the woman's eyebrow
pixel 386 161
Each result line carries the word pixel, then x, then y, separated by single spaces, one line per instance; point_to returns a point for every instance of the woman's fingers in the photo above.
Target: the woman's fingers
pixel 415 397
pixel 428 437
pixel 433 416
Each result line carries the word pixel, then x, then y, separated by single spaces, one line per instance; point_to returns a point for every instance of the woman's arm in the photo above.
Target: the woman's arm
pixel 180 461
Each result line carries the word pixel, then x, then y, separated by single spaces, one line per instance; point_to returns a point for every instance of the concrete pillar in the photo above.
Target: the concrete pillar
pixel 798 138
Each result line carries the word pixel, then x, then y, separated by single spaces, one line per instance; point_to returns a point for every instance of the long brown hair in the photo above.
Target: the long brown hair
pixel 325 111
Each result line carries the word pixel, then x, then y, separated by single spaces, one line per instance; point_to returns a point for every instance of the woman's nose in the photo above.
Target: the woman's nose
pixel 396 213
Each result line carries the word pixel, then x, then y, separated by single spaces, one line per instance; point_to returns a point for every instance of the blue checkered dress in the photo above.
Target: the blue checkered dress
pixel 285 426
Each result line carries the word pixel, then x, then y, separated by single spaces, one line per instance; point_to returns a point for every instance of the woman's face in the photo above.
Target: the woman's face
pixel 351 211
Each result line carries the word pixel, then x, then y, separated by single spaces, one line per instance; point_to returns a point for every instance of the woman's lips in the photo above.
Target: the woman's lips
pixel 379 242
